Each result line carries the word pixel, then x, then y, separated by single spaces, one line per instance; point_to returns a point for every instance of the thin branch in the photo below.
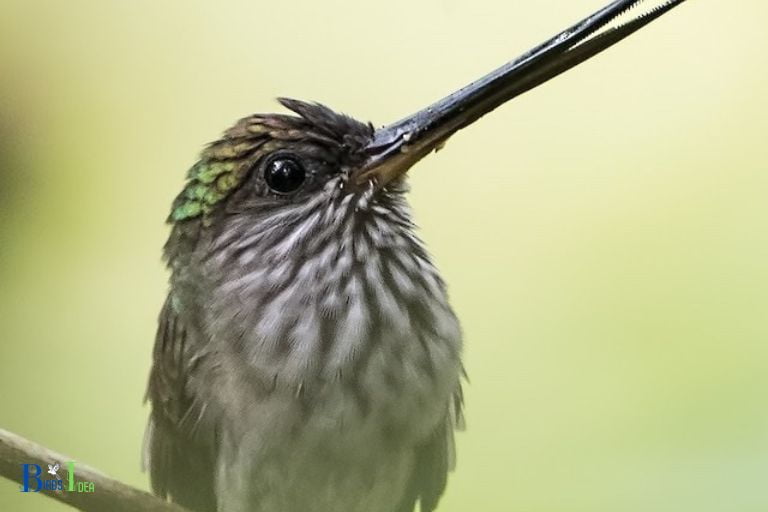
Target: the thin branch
pixel 108 494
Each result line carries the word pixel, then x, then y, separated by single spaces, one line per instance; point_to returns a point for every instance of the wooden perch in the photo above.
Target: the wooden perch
pixel 108 494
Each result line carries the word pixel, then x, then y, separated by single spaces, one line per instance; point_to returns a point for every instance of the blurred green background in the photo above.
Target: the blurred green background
pixel 605 237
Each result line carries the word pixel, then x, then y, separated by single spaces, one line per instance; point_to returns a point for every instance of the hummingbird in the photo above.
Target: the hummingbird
pixel 307 358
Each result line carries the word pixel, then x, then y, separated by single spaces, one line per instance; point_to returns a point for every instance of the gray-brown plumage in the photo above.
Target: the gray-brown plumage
pixel 307 358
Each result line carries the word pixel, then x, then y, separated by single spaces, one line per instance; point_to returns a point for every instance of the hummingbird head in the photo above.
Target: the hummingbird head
pixel 275 163
pixel 267 163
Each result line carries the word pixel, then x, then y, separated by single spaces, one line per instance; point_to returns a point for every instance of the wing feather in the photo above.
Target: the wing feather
pixel 180 464
pixel 435 458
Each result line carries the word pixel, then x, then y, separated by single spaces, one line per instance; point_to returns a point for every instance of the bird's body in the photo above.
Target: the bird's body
pixel 307 357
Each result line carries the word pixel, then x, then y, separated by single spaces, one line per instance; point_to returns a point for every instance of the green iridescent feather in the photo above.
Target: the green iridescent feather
pixel 208 183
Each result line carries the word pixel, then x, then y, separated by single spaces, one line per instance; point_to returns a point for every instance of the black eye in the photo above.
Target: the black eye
pixel 284 174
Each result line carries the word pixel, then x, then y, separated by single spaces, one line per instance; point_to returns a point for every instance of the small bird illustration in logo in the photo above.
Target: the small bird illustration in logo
pixel 53 468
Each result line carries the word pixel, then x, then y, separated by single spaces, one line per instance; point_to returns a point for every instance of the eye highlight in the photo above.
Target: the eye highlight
pixel 284 174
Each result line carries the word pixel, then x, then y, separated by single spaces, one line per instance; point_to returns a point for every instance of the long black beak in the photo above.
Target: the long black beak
pixel 396 147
